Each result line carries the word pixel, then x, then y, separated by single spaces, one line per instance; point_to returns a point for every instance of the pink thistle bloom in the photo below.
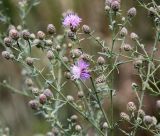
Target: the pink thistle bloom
pixel 80 70
pixel 71 20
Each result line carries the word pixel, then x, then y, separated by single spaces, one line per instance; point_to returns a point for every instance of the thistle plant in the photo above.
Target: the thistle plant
pixel 91 78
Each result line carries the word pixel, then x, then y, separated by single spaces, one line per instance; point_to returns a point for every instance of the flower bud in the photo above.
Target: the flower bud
pixel 80 94
pixel 124 116
pixel 85 57
pixel 141 113
pixel 154 121
pixel 101 60
pixel 127 47
pixel 131 106
pixel 50 134
pixel 134 36
pixel 48 93
pixel 78 128
pixel 32 36
pixel 65 59
pixel 107 8
pixel 50 55
pixel 33 104
pixel 70 98
pixel 67 75
pixel 147 120
pixel 26 34
pixel 123 32
pixel 71 35
pixel 8 41
pixel 41 35
pixel 6 55
pixel 74 118
pixel 151 12
pixel 35 91
pixel 29 82
pixel 158 104
pixel 76 53
pixel 49 42
pixel 86 29
pixel 29 61
pixel 132 12
pixel 14 34
pixel 51 29
pixel 11 56
pixel 101 79
pixel 105 125
pixel 58 47
pixel 42 98
pixel 115 5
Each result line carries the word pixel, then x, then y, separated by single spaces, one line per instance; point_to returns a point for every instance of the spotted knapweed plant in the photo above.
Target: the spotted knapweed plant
pixel 91 78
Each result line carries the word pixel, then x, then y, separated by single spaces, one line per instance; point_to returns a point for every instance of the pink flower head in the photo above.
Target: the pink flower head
pixel 80 70
pixel 71 20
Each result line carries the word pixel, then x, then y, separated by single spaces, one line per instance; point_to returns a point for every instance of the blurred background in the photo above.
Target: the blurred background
pixel 14 111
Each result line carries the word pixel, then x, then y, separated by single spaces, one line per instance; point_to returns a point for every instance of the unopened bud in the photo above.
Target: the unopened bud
pixel 29 61
pixel 78 128
pixel 26 34
pixel 51 29
pixel 41 35
pixel 105 125
pixel 74 118
pixel 33 104
pixel 32 36
pixel 49 42
pixel 42 98
pixel 14 34
pixel 101 60
pixel 50 55
pixel 127 47
pixel 115 5
pixel 35 91
pixel 71 35
pixel 29 82
pixel 76 53
pixel 70 98
pixel 48 93
pixel 141 113
pixel 86 29
pixel 147 120
pixel 158 104
pixel 8 41
pixel 80 94
pixel 131 106
pixel 123 32
pixel 124 116
pixel 6 55
pixel 134 36
pixel 132 12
